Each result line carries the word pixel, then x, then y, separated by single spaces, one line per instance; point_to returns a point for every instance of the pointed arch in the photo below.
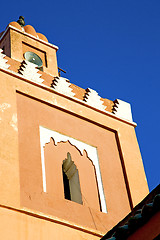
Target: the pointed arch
pixel 72 190
pixel 92 154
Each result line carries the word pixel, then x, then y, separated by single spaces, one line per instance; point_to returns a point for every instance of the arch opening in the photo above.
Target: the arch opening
pixel 71 183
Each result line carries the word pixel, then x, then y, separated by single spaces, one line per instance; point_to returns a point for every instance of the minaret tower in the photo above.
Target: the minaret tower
pixel 70 165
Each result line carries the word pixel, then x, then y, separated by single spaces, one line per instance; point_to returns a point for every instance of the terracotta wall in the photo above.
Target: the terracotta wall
pixel 24 106
pixel 32 114
pixel 17 226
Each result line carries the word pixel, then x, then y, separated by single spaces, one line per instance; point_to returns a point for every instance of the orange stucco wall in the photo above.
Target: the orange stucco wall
pixel 24 105
pixel 31 170
pixel 16 225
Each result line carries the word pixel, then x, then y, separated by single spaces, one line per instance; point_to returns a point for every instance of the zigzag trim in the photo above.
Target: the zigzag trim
pixel 3 61
pixel 92 98
pixel 62 85
pixel 29 70
pixel 122 109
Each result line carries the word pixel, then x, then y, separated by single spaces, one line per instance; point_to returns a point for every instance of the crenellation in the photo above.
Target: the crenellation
pixel 92 98
pixel 29 70
pixel 3 61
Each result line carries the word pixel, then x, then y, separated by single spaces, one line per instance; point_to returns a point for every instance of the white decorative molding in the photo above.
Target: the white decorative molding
pixel 62 85
pixel 30 71
pixel 122 109
pixel 3 61
pixel 92 98
pixel 46 134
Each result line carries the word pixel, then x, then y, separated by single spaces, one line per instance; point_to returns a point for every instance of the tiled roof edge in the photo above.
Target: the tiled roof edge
pixel 141 213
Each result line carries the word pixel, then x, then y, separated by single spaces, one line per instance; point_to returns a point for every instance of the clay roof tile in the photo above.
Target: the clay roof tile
pixel 29 29
pixel 16 25
pixel 42 37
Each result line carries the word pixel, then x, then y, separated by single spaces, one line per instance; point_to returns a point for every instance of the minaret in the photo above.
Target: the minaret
pixel 69 158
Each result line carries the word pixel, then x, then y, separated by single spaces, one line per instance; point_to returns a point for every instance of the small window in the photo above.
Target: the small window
pixel 71 183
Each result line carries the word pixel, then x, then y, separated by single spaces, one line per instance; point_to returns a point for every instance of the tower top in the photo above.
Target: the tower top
pixel 28 29
pixel 23 47
pixel 16 40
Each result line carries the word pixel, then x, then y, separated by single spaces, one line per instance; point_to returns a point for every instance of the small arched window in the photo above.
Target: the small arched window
pixel 72 190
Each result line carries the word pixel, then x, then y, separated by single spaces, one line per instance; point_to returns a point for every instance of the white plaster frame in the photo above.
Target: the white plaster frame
pixel 46 134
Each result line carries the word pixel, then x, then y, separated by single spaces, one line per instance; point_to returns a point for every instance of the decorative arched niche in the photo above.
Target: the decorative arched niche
pixel 46 134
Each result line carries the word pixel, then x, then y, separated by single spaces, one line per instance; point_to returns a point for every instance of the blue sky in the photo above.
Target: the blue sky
pixel 111 46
